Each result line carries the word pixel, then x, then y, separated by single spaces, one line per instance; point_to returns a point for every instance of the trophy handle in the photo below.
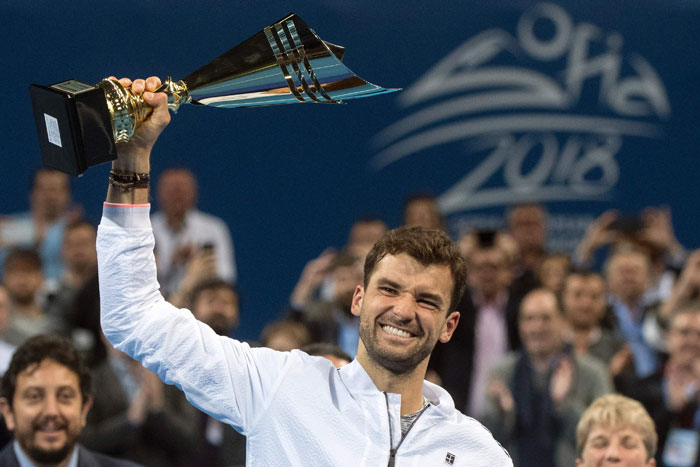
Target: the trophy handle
pixel 127 110
pixel 177 93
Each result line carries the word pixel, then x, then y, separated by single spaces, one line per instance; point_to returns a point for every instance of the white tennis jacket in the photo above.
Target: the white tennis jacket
pixel 295 410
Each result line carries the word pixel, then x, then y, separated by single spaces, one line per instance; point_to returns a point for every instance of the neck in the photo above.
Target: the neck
pixel 531 259
pixel 31 309
pixel 45 218
pixel 175 221
pixel 680 368
pixel 77 277
pixel 408 385
pixel 582 338
pixel 540 361
pixel 491 297
pixel 631 301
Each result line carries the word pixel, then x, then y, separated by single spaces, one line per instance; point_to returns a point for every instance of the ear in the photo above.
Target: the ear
pixel 84 411
pixel 7 413
pixel 357 300
pixel 449 327
pixel 651 463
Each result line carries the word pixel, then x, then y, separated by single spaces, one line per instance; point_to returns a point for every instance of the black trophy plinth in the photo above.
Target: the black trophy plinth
pixel 74 126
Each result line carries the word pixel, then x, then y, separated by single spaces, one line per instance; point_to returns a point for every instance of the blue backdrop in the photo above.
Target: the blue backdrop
pixel 580 105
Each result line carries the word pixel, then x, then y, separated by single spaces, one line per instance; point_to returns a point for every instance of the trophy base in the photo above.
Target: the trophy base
pixel 74 126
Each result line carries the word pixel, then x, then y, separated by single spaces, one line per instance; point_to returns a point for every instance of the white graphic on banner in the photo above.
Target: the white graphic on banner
pixel 516 112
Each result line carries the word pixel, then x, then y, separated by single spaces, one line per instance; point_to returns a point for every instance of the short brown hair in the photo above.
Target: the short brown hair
pixel 24 259
pixel 426 246
pixel 212 283
pixel 46 347
pixel 616 411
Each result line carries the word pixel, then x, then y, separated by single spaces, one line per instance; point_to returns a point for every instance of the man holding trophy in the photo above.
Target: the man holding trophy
pixel 296 409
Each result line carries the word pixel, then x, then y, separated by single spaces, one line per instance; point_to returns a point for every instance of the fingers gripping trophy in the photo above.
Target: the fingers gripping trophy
pixel 79 124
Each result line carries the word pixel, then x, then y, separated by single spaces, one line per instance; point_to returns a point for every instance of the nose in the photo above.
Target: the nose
pixel 612 453
pixel 50 406
pixel 404 307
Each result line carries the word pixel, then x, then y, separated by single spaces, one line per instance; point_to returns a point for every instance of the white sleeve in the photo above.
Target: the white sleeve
pixel 221 376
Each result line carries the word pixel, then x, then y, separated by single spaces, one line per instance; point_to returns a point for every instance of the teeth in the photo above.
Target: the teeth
pixel 396 332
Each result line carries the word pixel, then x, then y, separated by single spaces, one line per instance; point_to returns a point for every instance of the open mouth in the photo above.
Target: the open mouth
pixel 396 332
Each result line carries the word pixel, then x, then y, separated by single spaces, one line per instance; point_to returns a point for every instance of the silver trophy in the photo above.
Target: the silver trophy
pixel 79 124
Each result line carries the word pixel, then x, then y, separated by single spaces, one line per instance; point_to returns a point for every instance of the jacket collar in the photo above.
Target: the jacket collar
pixel 358 382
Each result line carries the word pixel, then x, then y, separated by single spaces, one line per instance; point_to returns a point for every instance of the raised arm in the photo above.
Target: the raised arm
pixel 225 378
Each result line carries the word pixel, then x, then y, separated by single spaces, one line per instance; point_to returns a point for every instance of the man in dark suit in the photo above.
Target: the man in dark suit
pixel 45 401
pixel 489 322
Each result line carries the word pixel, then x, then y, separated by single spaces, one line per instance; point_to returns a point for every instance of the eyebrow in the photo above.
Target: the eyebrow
pixel 383 281
pixel 63 387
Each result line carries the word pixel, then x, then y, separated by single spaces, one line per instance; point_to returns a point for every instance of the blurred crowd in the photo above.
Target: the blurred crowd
pixel 542 334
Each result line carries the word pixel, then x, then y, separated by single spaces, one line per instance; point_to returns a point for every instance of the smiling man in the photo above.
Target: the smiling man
pixel 296 409
pixel 45 400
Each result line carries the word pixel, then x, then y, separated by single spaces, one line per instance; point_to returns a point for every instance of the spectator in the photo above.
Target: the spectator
pixel 535 396
pixel 552 272
pixel 672 394
pixel 615 430
pixel 488 327
pixel 127 416
pixel 422 210
pixel 316 283
pixel 627 273
pixel 651 232
pixel 181 231
pixel 24 281
pixel 583 300
pixel 215 302
pixel 42 226
pixel 136 417
pixel 527 224
pixel 313 276
pixel 80 259
pixel 45 401
pixel 364 233
pixel 332 320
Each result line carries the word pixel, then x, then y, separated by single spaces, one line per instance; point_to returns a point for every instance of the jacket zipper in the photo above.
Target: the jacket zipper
pixel 392 451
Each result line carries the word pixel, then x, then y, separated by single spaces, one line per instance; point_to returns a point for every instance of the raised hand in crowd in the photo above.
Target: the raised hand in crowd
pixel 598 235
pixel 149 396
pixel 201 266
pixel 658 231
pixel 686 288
pixel 620 360
pixel 500 393
pixel 561 381
pixel 312 276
